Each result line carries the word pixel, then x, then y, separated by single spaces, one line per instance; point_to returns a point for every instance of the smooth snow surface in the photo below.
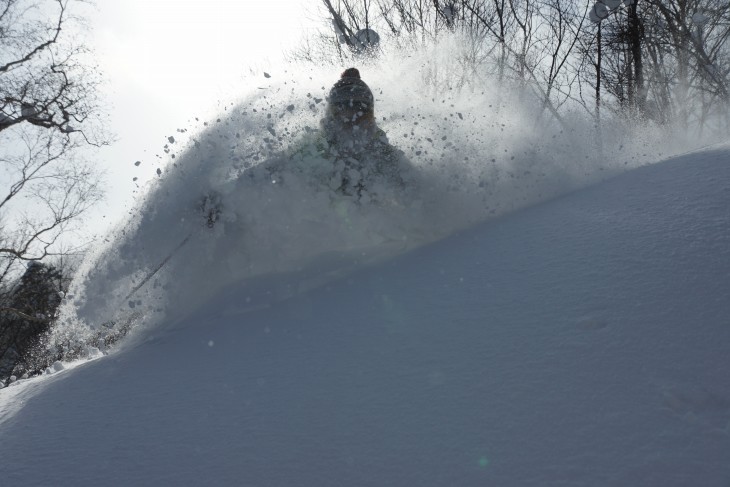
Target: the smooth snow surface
pixel 582 342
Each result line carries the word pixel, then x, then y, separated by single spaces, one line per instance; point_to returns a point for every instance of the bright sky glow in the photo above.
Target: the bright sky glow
pixel 168 61
pixel 166 48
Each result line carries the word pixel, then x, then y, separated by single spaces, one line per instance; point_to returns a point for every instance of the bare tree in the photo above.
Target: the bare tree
pixel 49 112
pixel 694 46
pixel 661 60
pixel 668 61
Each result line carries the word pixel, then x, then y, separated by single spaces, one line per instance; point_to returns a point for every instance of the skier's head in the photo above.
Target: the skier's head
pixel 350 102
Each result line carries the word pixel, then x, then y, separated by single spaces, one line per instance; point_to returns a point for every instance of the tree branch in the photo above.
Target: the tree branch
pixel 43 46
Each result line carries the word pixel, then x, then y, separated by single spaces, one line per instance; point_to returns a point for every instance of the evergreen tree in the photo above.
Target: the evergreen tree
pixel 32 309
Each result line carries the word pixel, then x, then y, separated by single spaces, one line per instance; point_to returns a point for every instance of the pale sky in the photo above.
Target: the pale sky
pixel 168 61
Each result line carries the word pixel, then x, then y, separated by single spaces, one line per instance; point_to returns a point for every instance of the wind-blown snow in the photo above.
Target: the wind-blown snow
pixel 473 155
pixel 582 341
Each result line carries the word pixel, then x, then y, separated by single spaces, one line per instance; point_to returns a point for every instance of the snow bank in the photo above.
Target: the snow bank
pixel 582 342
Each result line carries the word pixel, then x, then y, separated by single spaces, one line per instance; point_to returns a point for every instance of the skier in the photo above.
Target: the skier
pixel 361 160
pixel 363 165
pixel 349 122
pixel 361 149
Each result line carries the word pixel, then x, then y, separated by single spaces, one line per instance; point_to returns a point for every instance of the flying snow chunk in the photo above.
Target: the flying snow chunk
pixel 27 110
pixel 159 171
pixel 171 139
pixel 138 163
pixel 700 18
pixel 267 75
pixel 92 352
pixel 449 12
pixel 599 12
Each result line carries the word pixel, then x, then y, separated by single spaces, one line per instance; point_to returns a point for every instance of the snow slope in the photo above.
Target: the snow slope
pixel 582 341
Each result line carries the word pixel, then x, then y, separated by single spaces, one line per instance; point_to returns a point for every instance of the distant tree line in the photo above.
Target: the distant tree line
pixel 661 60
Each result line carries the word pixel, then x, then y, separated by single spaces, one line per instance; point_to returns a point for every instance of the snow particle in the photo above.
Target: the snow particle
pixel 211 343
pixel 267 75
pixel 171 139
pixel 138 163
pixel 92 353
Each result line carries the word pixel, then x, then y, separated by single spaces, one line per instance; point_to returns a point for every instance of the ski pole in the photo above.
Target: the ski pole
pixel 154 271
pixel 212 206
